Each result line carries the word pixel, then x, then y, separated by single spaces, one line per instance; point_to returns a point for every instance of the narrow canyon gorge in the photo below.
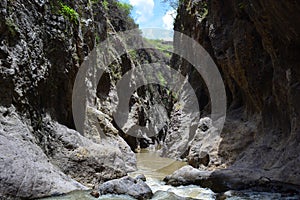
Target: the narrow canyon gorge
pixel 68 124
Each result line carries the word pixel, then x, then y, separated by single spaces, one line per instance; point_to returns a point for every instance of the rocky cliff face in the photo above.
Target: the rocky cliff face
pixel 256 46
pixel 42 45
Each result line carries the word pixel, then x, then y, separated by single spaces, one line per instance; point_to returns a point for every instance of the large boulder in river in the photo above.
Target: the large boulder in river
pixel 228 179
pixel 127 185
pixel 188 175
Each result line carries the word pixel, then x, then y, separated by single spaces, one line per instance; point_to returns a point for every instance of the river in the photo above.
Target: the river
pixel 155 169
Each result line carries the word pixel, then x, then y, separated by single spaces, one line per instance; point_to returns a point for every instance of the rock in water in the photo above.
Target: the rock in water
pixel 228 179
pixel 141 177
pixel 127 185
pixel 187 175
pixel 95 194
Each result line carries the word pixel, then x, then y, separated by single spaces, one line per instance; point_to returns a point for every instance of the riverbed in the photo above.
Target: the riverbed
pixel 155 168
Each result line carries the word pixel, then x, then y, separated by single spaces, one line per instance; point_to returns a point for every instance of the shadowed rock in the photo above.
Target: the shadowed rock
pixel 228 179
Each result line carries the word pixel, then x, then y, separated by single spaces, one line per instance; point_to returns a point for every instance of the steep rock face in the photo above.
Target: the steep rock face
pixel 25 169
pixel 256 46
pixel 42 46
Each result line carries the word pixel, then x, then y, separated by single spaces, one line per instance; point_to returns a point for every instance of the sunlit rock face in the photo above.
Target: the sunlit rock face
pixel 256 46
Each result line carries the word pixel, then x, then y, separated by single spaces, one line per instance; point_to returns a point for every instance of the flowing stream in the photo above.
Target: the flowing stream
pixel 155 168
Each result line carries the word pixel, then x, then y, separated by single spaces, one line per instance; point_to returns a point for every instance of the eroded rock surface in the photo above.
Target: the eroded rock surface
pixel 255 45
pixel 41 50
pixel 26 171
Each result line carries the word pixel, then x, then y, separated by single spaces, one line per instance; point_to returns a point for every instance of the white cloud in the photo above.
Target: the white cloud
pixel 144 9
pixel 168 19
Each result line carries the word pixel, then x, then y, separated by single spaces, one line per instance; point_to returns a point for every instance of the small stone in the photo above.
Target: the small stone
pixel 95 193
pixel 141 177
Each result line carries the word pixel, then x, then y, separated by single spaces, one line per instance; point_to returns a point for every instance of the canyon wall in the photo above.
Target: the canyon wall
pixel 42 47
pixel 256 46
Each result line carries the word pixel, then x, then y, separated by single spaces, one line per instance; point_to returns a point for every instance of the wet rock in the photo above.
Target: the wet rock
pixel 127 185
pixel 229 179
pixel 141 177
pixel 187 175
pixel 95 194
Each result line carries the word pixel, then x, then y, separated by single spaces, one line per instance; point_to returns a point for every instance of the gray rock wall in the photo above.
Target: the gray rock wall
pixel 256 46
pixel 41 50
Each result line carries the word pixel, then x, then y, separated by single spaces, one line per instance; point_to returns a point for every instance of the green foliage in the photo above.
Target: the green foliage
pixel 203 9
pixel 105 4
pixel 241 5
pixel 166 47
pixel 202 5
pixel 69 13
pixel 97 37
pixel 161 79
pixel 161 44
pixel 125 7
pixel 12 27
pixel 133 55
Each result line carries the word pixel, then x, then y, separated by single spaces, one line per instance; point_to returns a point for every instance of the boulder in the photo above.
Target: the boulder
pixel 128 186
pixel 188 175
pixel 89 161
pixel 141 177
pixel 229 179
pixel 26 172
pixel 203 148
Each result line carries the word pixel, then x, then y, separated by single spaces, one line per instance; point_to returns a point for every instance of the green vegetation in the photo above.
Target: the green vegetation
pixel 161 78
pixel 12 27
pixel 203 9
pixel 105 4
pixel 161 44
pixel 125 7
pixel 165 47
pixel 241 5
pixel 133 54
pixel 69 13
pixel 97 37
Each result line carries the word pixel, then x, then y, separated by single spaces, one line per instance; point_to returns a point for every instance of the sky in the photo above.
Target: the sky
pixel 153 14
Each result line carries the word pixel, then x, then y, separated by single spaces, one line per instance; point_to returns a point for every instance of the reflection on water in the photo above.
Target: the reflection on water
pixel 156 168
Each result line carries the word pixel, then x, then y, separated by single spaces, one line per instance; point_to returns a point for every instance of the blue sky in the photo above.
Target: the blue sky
pixel 152 14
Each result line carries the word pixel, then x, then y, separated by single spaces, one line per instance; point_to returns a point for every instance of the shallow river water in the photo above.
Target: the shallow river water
pixel 155 169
